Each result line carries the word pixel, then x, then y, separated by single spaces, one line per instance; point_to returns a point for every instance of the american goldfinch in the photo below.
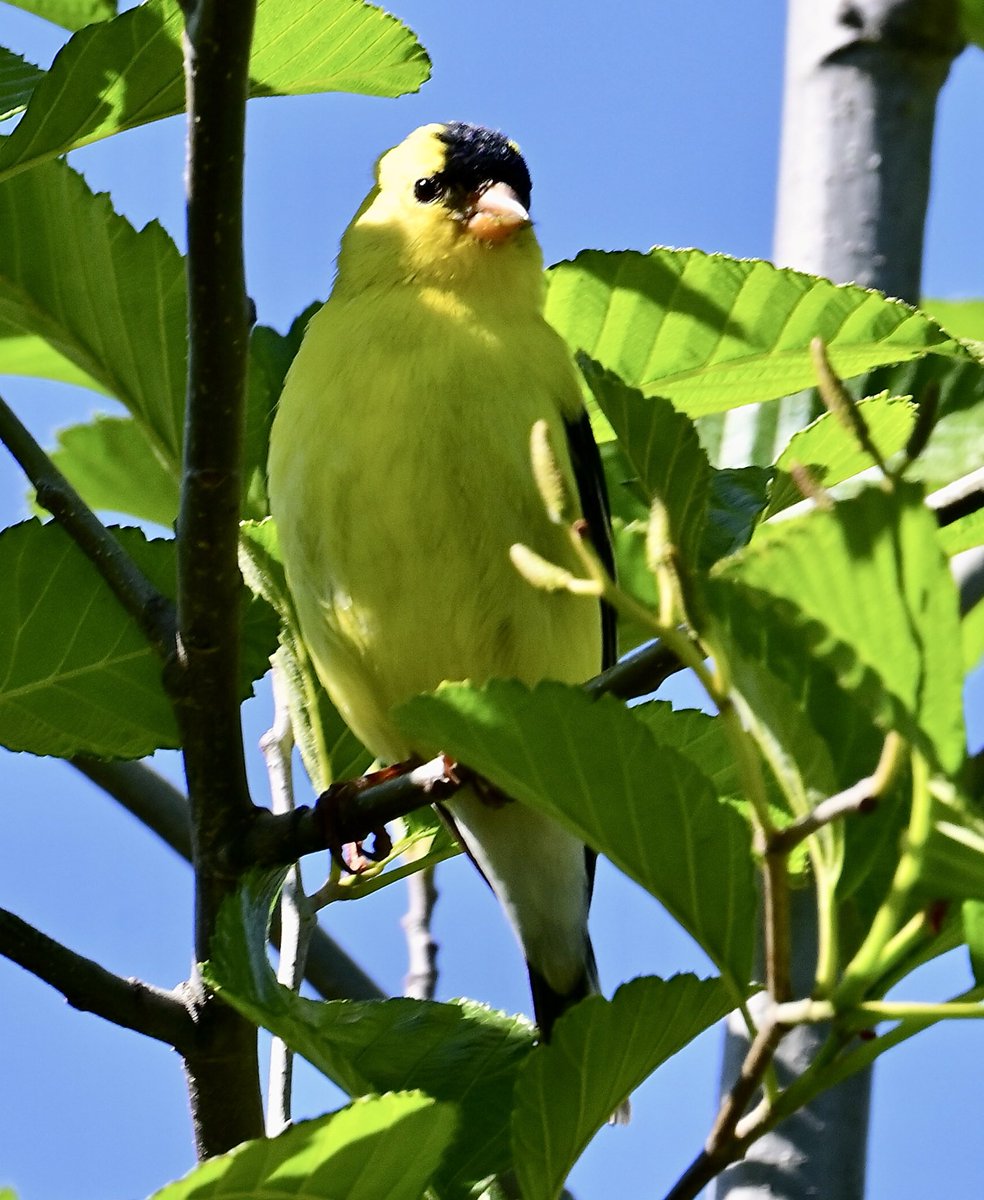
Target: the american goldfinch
pixel 400 475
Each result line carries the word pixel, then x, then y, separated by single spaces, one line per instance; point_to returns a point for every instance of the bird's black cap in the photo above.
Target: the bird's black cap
pixel 477 156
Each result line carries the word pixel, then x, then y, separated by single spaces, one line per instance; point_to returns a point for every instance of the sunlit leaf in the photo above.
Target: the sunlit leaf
pixel 128 71
pixel 712 333
pixel 70 14
pixel 662 446
pixel 108 299
pixel 871 577
pixel 18 79
pixel 962 318
pixel 953 447
pixel 952 866
pixel 76 674
pixel 461 1053
pixel 379 1146
pixel 831 453
pixel 114 468
pixel 600 772
pixel 598 1054
pixel 965 534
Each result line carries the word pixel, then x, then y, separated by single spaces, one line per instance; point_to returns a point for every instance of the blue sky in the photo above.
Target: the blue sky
pixel 642 123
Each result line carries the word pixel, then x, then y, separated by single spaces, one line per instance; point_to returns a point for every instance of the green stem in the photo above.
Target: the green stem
pixel 870 960
pixel 902 1010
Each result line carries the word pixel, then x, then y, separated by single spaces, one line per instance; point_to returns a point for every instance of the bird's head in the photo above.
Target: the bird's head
pixel 450 207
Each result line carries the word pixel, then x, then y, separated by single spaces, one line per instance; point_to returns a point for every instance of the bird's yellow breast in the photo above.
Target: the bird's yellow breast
pixel 399 478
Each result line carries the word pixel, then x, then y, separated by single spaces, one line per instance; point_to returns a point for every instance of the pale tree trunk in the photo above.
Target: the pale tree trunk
pixel 862 77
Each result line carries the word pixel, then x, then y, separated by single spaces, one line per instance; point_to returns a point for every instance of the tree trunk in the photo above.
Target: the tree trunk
pixel 862 77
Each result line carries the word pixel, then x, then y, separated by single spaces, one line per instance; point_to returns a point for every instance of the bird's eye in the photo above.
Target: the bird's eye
pixel 428 190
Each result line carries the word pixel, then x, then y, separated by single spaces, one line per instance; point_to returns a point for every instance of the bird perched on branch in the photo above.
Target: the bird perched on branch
pixel 400 477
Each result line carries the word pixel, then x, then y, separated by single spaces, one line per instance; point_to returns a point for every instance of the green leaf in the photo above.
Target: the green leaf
pixel 870 574
pixel 328 747
pixel 817 736
pixel 18 79
pixel 108 299
pixel 953 448
pixel 70 14
pixel 599 771
pixel 831 453
pixel 972 20
pixel 420 840
pixel 771 708
pixel 662 446
pixel 973 925
pixel 128 71
pixel 599 1053
pixel 738 496
pixel 696 735
pixel 114 468
pixel 379 1146
pixel 27 354
pixel 712 333
pixel 77 675
pixel 270 356
pixel 962 318
pixel 972 637
pixel 965 534
pixel 953 865
pixel 461 1053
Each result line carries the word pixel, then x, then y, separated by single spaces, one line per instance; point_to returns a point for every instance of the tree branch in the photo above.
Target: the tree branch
pixel 640 672
pixel 223 1073
pixel 350 811
pixel 420 982
pixel 958 499
pixel 859 797
pixel 353 810
pixel 89 987
pixel 164 809
pixel 153 612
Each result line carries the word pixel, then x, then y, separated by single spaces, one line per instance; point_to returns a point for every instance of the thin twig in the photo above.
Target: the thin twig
pixel 421 979
pixel 734 1104
pixel 841 403
pixel 640 672
pixel 89 987
pixel 859 797
pixel 153 611
pixel 296 915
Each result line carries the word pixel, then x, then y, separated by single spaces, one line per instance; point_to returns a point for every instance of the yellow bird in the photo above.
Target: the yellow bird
pixel 400 476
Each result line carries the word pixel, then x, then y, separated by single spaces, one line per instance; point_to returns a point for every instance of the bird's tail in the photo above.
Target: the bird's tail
pixel 549 1005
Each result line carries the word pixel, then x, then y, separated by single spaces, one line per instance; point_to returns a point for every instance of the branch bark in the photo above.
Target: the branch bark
pixel 223 1072
pixel 421 978
pixel 87 986
pixel 152 611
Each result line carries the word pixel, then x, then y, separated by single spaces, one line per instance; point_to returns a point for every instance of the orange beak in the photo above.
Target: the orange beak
pixel 496 214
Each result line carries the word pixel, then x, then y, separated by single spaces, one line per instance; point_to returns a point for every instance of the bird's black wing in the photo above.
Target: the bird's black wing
pixel 593 494
pixel 590 477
